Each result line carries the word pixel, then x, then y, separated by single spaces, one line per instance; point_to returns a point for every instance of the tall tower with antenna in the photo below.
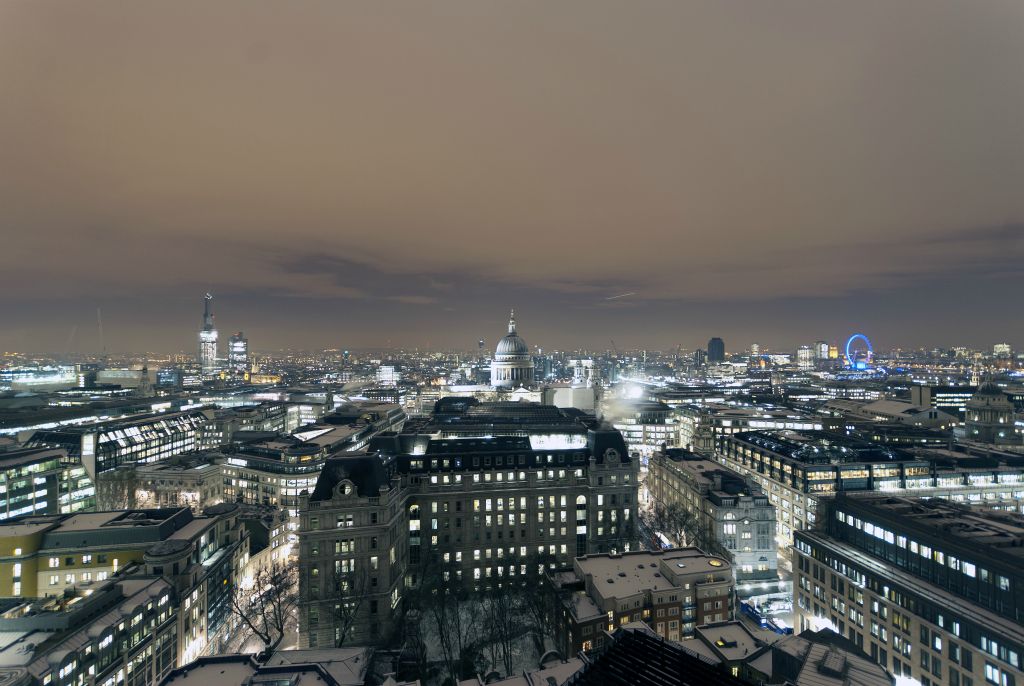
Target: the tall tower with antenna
pixel 208 339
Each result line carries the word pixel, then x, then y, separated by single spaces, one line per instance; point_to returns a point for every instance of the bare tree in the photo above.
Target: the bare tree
pixel 414 642
pixel 541 603
pixel 454 613
pixel 676 522
pixel 265 607
pixel 116 489
pixel 504 618
pixel 350 586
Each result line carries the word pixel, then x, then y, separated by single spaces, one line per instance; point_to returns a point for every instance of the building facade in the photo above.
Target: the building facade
pixel 671 591
pixel 729 508
pixel 930 589
pixel 479 488
pixel 798 469
pixel 238 354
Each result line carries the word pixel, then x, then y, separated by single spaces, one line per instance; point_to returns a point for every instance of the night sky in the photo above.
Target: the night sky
pixel 352 174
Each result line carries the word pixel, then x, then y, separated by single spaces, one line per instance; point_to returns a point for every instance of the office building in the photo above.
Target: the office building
pixel 120 631
pixel 208 340
pixel 821 350
pixel 951 399
pixel 890 412
pixel 928 588
pixel 103 446
pixel 725 508
pixel 42 481
pixel 480 488
pixel 805 357
pixel 238 354
pixel 716 351
pixel 201 556
pixel 799 468
pixel 672 591
pixel 646 426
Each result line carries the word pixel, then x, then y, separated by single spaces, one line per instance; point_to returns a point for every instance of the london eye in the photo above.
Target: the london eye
pixel 858 351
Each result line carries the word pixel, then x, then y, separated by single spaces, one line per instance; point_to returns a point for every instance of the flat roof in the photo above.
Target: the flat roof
pixel 628 574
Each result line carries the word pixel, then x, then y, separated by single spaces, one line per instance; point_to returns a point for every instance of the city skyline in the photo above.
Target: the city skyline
pixel 654 175
pixel 98 337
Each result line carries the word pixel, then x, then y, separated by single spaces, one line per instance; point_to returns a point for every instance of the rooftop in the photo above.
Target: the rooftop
pixel 970 526
pixel 621 576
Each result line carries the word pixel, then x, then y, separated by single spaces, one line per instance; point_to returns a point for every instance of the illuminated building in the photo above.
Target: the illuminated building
pixel 672 591
pixel 952 399
pixel 41 481
pixel 200 556
pixel 388 375
pixel 103 446
pixel 727 508
pixel 833 352
pixel 208 339
pixel 821 349
pixel 238 354
pixel 512 366
pixel 927 588
pixel 646 426
pixel 124 631
pixel 805 357
pixel 481 489
pixel 194 480
pixel 799 469
pixel 1002 351
pixel 716 351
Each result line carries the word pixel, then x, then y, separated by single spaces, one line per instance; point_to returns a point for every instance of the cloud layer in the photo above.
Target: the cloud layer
pixel 427 163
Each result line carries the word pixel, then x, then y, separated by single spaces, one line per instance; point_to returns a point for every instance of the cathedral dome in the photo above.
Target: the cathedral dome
pixel 512 344
pixel 989 388
pixel 512 365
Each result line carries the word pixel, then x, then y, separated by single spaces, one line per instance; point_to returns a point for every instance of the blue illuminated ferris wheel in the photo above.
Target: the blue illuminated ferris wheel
pixel 858 359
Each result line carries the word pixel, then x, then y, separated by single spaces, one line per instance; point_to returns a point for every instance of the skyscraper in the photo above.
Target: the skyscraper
pixel 208 339
pixel 821 350
pixel 238 354
pixel 716 351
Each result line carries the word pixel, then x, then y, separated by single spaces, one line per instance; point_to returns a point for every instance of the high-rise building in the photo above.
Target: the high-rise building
pixel 755 350
pixel 208 339
pixel 1002 351
pixel 805 357
pixel 700 357
pixel 238 354
pixel 821 350
pixel 716 350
